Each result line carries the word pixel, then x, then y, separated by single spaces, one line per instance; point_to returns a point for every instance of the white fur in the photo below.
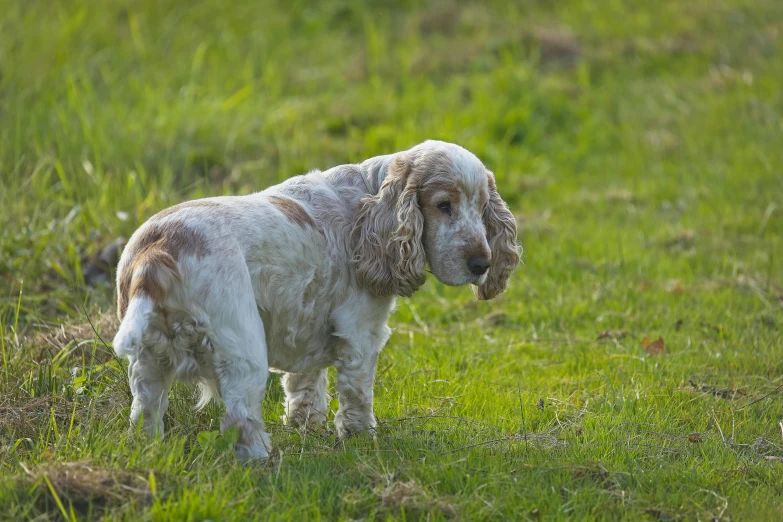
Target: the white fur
pixel 127 341
pixel 267 292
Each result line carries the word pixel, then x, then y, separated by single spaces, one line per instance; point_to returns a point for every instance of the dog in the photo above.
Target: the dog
pixel 300 277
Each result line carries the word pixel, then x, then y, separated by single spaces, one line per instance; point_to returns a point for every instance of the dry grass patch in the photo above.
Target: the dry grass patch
pixel 83 486
pixel 29 417
pixel 106 325
pixel 48 341
pixel 555 45
pixel 26 416
pixel 393 495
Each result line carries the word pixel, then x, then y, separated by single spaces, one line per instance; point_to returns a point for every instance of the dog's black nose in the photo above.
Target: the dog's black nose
pixel 478 265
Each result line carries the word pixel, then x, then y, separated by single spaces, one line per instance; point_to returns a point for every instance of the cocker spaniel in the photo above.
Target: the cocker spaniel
pixel 299 277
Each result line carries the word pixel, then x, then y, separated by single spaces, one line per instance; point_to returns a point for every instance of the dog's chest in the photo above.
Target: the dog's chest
pixel 297 344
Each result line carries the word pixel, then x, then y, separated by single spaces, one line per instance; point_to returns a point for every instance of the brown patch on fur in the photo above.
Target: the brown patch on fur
pixel 154 256
pixel 123 286
pixel 153 261
pixel 292 210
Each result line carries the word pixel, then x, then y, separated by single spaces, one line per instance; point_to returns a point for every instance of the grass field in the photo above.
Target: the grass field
pixel 640 145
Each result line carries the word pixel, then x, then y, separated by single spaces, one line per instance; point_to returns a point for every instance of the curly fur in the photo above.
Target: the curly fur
pixel 502 237
pixel 388 252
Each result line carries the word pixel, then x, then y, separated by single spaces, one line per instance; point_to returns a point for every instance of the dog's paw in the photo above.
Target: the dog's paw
pixel 304 418
pixel 255 451
pixel 348 424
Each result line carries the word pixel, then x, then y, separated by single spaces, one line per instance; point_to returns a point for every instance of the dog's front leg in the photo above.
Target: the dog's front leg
pixel 361 328
pixel 355 379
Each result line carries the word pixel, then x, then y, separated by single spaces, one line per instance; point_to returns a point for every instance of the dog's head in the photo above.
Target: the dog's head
pixel 437 205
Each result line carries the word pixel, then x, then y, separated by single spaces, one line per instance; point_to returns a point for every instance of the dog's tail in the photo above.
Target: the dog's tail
pixel 141 284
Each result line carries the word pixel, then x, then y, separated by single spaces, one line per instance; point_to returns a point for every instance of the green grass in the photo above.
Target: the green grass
pixel 640 145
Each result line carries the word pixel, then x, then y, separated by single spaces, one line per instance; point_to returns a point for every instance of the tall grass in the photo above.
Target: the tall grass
pixel 637 143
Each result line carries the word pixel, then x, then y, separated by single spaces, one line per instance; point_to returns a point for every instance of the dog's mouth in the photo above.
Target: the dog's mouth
pixel 470 279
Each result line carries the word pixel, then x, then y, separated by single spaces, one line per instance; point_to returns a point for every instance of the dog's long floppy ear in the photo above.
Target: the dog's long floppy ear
pixel 502 238
pixel 386 238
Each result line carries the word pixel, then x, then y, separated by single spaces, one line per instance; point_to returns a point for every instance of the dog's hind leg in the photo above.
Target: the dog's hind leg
pixel 242 384
pixel 150 378
pixel 242 387
pixel 241 365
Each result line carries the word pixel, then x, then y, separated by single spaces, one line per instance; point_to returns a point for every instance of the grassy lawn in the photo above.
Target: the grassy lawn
pixel 639 144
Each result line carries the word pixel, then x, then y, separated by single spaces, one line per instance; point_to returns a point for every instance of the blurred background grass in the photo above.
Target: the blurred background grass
pixel 638 143
pixel 130 106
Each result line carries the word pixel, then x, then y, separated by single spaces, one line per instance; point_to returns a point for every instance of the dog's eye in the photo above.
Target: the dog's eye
pixel 445 207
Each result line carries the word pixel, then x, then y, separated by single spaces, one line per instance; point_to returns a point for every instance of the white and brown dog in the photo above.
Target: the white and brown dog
pixel 299 277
